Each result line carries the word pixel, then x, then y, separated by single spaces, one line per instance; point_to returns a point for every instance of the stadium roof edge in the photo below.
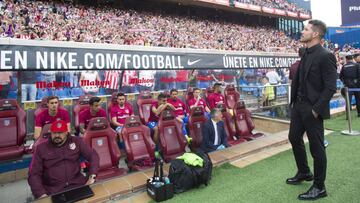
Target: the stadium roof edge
pixel 220 6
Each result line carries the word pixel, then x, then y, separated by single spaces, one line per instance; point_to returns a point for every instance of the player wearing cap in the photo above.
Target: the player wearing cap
pixel 55 166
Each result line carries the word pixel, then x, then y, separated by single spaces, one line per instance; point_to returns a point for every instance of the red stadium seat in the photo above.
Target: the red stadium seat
pixel 102 138
pixel 144 103
pixel 44 135
pixel 231 96
pixel 138 144
pixel 243 122
pixel 42 105
pixel 12 128
pixel 230 129
pixel 80 105
pixel 197 120
pixel 172 141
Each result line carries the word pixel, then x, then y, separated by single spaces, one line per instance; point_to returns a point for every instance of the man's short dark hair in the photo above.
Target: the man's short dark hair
pixel 217 84
pixel 213 112
pixel 301 51
pixel 162 96
pixel 356 55
pixel 93 100
pixel 318 26
pixel 349 57
pixel 173 90
pixel 196 89
pixel 120 94
pixel 265 77
pixel 51 98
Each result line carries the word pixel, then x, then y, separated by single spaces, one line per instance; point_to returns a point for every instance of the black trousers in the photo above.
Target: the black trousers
pixel 302 120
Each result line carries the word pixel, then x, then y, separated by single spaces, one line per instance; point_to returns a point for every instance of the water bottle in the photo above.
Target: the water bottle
pixel 167 180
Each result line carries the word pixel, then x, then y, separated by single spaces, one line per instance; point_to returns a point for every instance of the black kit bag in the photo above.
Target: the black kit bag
pixel 181 176
pixel 185 177
pixel 203 174
pixel 159 187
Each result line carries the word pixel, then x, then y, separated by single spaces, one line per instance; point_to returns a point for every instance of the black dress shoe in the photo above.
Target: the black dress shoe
pixel 300 177
pixel 313 193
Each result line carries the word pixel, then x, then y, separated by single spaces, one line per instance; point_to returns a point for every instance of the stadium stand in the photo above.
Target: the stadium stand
pixel 41 20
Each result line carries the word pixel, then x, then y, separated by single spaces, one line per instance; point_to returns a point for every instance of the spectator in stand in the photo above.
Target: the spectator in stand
pixel 129 80
pixel 146 80
pixel 112 76
pixel 182 79
pixel 279 4
pixel 52 114
pixel 268 93
pixel 55 164
pixel 273 77
pixel 28 87
pixel 118 113
pixel 64 22
pixel 5 79
pixel 93 111
pixel 203 78
pixel 88 77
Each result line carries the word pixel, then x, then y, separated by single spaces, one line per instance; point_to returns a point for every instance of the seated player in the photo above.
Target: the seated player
pixel 53 113
pixel 93 111
pixel 198 101
pixel 118 114
pixel 180 110
pixel 216 98
pixel 55 164
pixel 156 109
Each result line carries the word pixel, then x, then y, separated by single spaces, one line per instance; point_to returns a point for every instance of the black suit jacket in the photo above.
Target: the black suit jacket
pixel 319 79
pixel 208 133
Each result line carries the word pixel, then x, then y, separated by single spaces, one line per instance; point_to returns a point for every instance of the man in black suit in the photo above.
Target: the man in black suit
pixel 214 135
pixel 313 86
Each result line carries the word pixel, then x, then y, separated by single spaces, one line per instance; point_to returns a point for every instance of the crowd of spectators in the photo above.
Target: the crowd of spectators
pixel 340 52
pixel 47 20
pixel 279 4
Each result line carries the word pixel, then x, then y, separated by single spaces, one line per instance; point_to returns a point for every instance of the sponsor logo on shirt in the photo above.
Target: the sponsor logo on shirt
pixel 72 146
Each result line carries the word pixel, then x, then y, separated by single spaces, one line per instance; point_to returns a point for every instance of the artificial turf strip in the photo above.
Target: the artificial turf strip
pixel 339 123
pixel 264 181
